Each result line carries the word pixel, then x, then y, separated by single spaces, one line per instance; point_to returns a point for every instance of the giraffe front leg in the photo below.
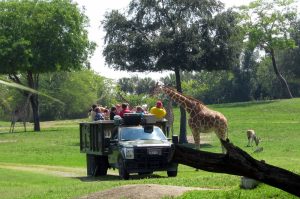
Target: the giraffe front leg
pixel 224 151
pixel 196 136
pixel 222 135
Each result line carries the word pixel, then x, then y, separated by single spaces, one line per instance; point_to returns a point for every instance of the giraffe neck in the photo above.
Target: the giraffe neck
pixel 180 99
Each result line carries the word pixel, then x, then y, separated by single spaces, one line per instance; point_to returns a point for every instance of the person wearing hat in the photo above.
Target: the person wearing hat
pixel 158 111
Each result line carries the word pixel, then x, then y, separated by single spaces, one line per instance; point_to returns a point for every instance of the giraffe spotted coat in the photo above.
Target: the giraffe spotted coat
pixel 202 119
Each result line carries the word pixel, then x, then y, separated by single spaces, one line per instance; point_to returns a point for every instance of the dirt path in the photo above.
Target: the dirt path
pixel 45 169
pixel 142 191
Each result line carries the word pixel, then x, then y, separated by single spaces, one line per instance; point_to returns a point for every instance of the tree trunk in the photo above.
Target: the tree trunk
pixel 280 77
pixel 34 99
pixel 182 134
pixel 35 111
pixel 238 162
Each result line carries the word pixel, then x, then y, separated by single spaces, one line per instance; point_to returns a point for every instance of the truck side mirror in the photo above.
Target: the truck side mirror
pixel 148 128
pixel 175 139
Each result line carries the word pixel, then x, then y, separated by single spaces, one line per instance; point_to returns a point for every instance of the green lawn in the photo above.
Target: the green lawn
pixel 32 164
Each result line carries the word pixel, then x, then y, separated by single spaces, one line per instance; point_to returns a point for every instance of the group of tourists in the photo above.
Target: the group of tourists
pixel 102 113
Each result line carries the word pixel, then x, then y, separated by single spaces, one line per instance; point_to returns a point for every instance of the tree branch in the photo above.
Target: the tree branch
pixel 238 162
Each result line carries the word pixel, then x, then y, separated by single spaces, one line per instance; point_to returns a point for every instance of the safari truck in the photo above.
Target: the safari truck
pixel 135 144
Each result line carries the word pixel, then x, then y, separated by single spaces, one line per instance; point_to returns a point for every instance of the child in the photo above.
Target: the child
pixel 98 115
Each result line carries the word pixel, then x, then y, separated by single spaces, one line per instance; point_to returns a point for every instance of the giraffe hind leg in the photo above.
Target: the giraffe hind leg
pixel 196 136
pixel 12 127
pixel 24 123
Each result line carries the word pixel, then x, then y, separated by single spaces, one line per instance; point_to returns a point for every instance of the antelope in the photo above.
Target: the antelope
pixel 252 136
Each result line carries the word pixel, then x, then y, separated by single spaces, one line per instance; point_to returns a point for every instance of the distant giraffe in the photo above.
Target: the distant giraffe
pixel 202 119
pixel 170 117
pixel 20 113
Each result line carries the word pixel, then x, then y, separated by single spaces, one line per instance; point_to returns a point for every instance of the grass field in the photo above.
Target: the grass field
pixel 48 164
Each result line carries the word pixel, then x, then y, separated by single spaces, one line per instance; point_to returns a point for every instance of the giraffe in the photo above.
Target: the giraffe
pixel 20 113
pixel 202 119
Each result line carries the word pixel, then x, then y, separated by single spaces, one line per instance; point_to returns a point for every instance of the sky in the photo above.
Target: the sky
pixel 95 10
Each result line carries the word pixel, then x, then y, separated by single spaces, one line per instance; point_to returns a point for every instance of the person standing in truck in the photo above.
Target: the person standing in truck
pixel 113 113
pixel 98 115
pixel 119 108
pixel 158 111
pixel 124 110
pixel 139 110
pixel 92 113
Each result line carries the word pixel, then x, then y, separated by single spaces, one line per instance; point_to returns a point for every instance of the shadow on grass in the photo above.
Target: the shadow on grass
pixel 110 177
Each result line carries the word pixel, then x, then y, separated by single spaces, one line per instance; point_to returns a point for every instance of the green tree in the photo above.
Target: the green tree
pixel 180 35
pixel 268 25
pixel 127 85
pixel 41 36
pixel 6 98
pixel 135 85
pixel 143 85
pixel 244 82
pixel 289 59
pixel 78 90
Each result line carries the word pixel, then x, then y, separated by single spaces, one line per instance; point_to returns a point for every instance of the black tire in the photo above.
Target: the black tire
pixel 102 166
pixel 172 173
pixel 96 165
pixel 123 173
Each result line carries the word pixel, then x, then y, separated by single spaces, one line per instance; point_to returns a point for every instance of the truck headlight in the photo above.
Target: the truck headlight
pixel 128 153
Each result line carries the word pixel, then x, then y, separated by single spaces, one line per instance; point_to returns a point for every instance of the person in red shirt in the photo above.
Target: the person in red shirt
pixel 124 110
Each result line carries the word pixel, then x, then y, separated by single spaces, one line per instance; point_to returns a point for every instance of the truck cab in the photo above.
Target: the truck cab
pixel 134 144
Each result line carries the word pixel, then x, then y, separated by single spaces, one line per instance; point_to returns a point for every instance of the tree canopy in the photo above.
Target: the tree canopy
pixel 180 35
pixel 41 36
pixel 165 35
pixel 268 26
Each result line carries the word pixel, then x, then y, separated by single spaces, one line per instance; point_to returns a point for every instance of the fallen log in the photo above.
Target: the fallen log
pixel 238 162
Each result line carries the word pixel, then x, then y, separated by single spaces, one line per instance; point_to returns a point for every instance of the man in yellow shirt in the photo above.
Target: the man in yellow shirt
pixel 158 110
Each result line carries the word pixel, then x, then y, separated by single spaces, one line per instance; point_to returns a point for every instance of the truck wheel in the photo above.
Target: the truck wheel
pixel 172 173
pixel 123 173
pixel 96 165
pixel 102 166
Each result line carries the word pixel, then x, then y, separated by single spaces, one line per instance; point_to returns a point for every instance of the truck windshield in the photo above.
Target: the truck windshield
pixel 138 133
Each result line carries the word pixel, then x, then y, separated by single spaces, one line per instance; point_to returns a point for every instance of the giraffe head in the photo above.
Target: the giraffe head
pixel 157 89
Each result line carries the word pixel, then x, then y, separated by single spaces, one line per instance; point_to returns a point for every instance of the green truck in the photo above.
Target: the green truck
pixel 135 144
